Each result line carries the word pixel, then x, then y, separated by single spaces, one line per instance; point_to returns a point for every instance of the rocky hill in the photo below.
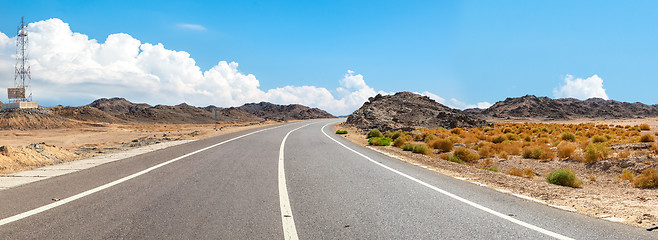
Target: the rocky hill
pixel 119 110
pixel 283 112
pixel 544 108
pixel 409 110
pixel 117 105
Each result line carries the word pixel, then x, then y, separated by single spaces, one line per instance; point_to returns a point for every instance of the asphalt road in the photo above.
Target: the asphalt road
pixel 231 187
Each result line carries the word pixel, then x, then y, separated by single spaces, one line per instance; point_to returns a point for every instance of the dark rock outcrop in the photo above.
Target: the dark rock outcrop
pixel 284 112
pixel 117 105
pixel 544 108
pixel 409 110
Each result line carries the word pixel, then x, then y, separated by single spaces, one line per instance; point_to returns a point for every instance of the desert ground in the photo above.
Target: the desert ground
pixel 26 149
pixel 603 194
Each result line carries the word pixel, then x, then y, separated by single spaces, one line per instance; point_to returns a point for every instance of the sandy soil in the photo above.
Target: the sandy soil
pixel 602 195
pixel 26 149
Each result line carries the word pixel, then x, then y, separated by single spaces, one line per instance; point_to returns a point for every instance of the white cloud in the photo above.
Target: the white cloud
pixel 581 88
pixel 454 103
pixel 70 69
pixel 195 27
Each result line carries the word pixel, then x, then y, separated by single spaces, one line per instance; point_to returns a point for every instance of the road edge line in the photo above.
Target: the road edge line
pixel 449 194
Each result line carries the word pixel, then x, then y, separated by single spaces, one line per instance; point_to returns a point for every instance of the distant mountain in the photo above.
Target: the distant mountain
pixel 544 108
pixel 121 109
pixel 409 110
pixel 284 112
pixel 117 105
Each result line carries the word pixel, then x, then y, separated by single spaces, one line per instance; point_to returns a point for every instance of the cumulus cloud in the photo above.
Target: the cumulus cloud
pixel 454 103
pixel 581 88
pixel 195 27
pixel 68 68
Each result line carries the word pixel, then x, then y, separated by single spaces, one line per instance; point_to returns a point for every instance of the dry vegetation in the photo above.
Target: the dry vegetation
pixel 586 143
pixel 614 161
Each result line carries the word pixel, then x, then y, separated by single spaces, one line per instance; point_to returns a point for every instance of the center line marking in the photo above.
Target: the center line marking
pixel 444 192
pixel 287 220
pixel 102 187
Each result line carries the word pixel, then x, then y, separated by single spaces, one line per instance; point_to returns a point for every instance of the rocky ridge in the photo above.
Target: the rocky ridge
pixel 283 112
pixel 406 110
pixel 544 108
pixel 119 110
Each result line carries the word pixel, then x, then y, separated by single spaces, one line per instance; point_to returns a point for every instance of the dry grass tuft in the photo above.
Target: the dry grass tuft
pixel 444 145
pixel 648 179
pixel 645 127
pixel 466 155
pixel 564 177
pixel 596 152
pixel 647 138
pixel 515 172
pixel 565 149
pixel 627 175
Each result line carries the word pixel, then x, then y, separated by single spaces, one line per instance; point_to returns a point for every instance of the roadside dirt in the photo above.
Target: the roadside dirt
pixel 602 194
pixel 27 149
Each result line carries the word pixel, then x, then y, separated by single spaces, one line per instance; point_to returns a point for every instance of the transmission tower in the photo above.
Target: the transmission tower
pixel 16 95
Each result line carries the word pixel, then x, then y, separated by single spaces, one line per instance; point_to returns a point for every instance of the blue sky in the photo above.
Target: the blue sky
pixel 472 51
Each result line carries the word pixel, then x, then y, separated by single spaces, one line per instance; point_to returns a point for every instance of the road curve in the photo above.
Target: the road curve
pixel 236 186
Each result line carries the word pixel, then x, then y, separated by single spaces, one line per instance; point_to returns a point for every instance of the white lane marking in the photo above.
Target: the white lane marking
pixel 444 192
pixel 102 187
pixel 287 220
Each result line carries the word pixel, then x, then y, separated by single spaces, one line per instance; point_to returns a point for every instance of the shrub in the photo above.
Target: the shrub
pixel 379 141
pixel 453 158
pixel 466 154
pixel 515 172
pixel 408 147
pixel 595 152
pixel 498 139
pixel 503 155
pixel 341 131
pixel 592 178
pixel 389 134
pixel 627 175
pixel 399 142
pixel 528 172
pixel 645 127
pixel 648 179
pixel 527 138
pixel 599 139
pixel 564 177
pixel 647 138
pixel 533 152
pixel 567 136
pixel 486 151
pixel 417 137
pixel 375 133
pixel 421 148
pixel 565 149
pixel 429 138
pixel 454 139
pixel 512 137
pixel 443 145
